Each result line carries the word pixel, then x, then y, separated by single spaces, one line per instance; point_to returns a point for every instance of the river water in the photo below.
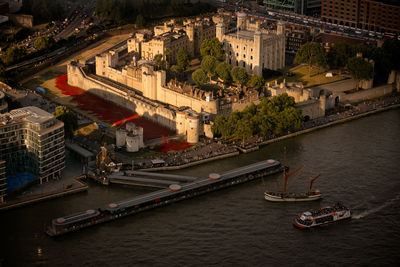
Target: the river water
pixel 360 167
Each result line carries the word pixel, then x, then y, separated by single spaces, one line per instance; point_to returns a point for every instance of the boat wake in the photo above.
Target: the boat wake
pixel 376 209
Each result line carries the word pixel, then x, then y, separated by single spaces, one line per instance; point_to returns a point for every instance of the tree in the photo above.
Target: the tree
pixel 360 69
pixel 69 118
pixel 199 77
pixel 223 70
pixel 392 48
pixel 13 55
pixel 158 60
pixel 239 75
pixel 167 55
pixel 312 54
pixel 183 59
pixel 256 82
pixel 44 42
pixel 176 71
pixel 339 53
pixel 243 130
pixel 212 47
pixel 208 64
pixel 140 22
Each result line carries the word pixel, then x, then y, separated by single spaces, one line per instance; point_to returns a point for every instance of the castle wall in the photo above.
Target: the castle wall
pixel 311 109
pixel 367 94
pixel 144 107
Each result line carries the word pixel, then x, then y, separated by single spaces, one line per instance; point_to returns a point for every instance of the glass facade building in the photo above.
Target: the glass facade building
pixel 32 140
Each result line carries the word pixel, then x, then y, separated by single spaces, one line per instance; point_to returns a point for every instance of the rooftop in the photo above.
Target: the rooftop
pixel 31 113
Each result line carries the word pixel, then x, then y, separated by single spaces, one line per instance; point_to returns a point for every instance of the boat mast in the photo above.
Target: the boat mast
pixel 312 181
pixel 286 177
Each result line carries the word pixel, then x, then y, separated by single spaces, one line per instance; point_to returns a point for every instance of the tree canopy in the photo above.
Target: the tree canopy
pixel 360 69
pixel 43 10
pixel 140 22
pixel 273 116
pixel 223 70
pixel 212 47
pixel 239 75
pixel 199 77
pixel 13 55
pixel 208 64
pixel 134 11
pixel 339 53
pixel 44 42
pixel 256 81
pixel 183 59
pixel 313 54
pixel 69 118
pixel 391 48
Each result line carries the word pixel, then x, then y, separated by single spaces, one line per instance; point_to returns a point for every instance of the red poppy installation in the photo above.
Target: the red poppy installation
pixel 108 111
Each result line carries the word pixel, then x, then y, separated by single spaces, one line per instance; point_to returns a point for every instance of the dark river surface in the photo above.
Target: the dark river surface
pixel 360 166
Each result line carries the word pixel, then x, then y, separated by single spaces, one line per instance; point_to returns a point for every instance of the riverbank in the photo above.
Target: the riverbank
pixel 48 192
pixel 182 159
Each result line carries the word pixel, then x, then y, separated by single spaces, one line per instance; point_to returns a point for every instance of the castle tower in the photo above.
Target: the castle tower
pixel 192 129
pixel 149 86
pixel 190 35
pixel 180 122
pixel 241 21
pixel 258 45
pixel 220 31
pixel 280 28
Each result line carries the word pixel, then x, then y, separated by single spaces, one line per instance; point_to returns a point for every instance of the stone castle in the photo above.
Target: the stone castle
pixel 127 76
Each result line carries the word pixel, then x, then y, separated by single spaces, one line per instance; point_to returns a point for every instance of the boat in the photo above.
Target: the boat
pixel 323 216
pixel 293 197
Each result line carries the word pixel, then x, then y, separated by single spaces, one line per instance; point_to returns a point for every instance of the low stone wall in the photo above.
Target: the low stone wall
pixel 364 95
pixel 328 124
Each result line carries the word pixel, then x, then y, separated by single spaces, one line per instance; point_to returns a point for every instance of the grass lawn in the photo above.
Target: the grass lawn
pixel 301 75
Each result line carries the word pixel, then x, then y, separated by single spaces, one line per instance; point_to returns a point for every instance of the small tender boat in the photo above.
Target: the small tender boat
pixel 321 217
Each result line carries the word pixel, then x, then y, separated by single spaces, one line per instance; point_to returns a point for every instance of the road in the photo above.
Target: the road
pixel 302 20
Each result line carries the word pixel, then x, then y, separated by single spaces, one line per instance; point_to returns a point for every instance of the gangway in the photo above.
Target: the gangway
pixel 173 177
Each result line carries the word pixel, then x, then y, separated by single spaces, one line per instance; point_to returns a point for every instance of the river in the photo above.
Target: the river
pixel 359 163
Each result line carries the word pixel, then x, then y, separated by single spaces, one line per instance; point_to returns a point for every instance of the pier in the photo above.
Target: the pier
pixel 176 191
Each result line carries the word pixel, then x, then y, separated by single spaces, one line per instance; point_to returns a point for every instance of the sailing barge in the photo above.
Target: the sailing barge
pixel 293 197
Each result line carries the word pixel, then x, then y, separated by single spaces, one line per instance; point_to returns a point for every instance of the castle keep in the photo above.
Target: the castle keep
pixel 253 48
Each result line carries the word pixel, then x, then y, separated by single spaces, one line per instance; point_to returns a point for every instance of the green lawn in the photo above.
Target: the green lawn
pixel 301 75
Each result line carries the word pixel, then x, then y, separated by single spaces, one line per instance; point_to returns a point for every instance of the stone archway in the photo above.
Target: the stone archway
pixel 337 100
pixel 306 118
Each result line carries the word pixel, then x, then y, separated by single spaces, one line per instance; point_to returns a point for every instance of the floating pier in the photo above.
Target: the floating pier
pixel 174 193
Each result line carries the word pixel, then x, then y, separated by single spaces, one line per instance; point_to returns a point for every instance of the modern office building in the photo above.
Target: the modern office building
pixel 306 7
pixel 3 103
pixel 374 15
pixel 3 183
pixel 32 140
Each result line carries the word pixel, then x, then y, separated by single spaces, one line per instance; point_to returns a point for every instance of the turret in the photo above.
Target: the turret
pixel 220 31
pixel 241 21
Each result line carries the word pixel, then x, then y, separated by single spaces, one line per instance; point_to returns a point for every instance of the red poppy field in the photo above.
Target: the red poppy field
pixel 108 111
pixel 168 145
